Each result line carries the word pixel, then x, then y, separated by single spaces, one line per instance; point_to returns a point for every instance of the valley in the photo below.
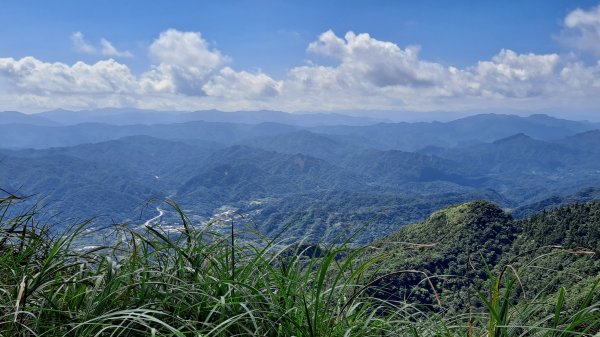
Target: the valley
pixel 315 181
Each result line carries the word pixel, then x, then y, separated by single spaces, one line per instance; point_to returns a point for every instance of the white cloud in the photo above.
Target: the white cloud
pixel 369 63
pixel 582 30
pixel 231 84
pixel 330 45
pixel 187 73
pixel 584 80
pixel 509 74
pixel 105 48
pixel 379 62
pixel 32 76
pixel 374 74
pixel 81 45
pixel 109 50
pixel 37 85
pixel 184 63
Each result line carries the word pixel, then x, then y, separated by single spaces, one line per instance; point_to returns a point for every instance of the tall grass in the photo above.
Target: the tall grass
pixel 201 282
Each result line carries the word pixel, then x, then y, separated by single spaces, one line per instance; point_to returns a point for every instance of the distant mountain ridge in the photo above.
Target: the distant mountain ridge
pixel 461 132
pixel 15 117
pixel 132 116
pixel 15 133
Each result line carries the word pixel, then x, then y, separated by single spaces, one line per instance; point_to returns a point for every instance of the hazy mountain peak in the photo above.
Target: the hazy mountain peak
pixel 129 116
pixel 15 117
pixel 516 138
pixel 541 117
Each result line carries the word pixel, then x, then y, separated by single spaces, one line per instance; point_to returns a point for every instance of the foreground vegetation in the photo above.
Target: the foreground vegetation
pixel 205 283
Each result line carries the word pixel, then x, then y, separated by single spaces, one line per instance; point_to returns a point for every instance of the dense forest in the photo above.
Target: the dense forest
pixel 463 246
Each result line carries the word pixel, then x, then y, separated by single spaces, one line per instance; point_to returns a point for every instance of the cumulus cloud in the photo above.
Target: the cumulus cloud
pixel 30 75
pixel 367 61
pixel 188 73
pixel 184 63
pixel 231 84
pixel 582 30
pixel 105 47
pixel 509 74
pixel 379 62
pixel 379 67
pixel 36 85
pixel 398 77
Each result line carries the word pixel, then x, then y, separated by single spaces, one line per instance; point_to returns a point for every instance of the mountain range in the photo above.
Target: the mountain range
pixel 316 176
pixel 66 128
pixel 147 117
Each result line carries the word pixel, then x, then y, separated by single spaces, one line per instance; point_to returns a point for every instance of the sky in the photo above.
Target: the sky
pixel 408 56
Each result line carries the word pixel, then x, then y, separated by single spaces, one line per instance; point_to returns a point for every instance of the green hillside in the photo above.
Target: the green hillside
pixel 461 246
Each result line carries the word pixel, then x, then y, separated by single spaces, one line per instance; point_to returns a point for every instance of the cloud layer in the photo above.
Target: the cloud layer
pixel 187 73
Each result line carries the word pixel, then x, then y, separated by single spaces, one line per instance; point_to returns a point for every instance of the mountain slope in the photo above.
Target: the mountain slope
pixel 393 168
pixel 447 243
pixel 241 173
pixel 527 169
pixel 321 146
pixel 518 154
pixel 455 244
pixel 586 142
pixel 585 195
pixel 71 187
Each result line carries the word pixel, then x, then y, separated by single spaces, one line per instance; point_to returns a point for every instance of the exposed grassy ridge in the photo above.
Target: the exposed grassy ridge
pixel 202 283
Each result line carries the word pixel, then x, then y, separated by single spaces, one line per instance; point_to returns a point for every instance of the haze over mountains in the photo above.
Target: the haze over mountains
pixel 64 128
pixel 316 174
pixel 130 116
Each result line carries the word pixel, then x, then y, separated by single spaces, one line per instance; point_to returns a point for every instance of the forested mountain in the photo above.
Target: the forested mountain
pixel 328 147
pixel 72 187
pixel 455 247
pixel 583 196
pixel 585 141
pixel 522 154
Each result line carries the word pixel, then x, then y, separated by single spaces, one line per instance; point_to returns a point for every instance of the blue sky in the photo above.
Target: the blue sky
pixel 278 55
